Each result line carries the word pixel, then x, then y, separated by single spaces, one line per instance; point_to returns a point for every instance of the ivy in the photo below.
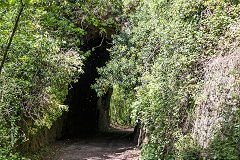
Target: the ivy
pixel 35 76
pixel 161 57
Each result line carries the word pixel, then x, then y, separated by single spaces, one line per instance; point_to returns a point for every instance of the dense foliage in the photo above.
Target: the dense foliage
pixel 174 69
pixel 35 77
pixel 120 107
pixel 40 56
pixel 163 56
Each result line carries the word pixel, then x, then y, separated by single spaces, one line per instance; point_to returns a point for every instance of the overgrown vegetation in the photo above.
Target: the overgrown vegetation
pixel 174 67
pixel 35 76
pixel 120 108
pixel 163 56
pixel 40 59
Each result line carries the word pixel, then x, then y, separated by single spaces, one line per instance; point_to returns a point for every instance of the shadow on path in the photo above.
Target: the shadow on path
pixel 114 145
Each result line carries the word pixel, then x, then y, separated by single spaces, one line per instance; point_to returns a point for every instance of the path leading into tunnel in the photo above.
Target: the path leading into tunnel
pixel 115 145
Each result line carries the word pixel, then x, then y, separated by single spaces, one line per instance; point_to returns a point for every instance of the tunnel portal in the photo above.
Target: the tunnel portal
pixel 82 117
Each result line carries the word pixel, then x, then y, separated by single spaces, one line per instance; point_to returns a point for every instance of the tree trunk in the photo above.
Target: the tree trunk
pixel 10 39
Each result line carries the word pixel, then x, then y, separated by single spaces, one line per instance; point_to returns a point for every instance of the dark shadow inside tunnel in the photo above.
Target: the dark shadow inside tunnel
pixel 82 117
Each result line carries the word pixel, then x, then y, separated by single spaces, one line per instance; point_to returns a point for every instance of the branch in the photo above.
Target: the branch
pixel 151 57
pixel 11 38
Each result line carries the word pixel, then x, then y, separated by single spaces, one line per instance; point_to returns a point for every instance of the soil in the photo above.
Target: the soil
pixel 114 145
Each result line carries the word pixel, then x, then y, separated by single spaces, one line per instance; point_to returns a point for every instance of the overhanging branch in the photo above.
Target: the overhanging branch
pixel 11 38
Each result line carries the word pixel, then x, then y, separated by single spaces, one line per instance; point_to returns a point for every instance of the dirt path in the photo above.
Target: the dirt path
pixel 110 146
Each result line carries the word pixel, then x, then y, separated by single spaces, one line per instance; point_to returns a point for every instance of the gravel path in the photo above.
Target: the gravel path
pixel 104 147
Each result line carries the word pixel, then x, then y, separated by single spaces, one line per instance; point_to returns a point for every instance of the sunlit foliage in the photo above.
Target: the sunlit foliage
pixel 35 77
pixel 162 57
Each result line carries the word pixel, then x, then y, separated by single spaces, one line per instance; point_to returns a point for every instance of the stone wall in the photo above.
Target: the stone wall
pixel 218 97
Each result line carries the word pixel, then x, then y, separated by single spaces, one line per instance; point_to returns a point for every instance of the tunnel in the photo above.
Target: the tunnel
pixel 83 116
pixel 87 113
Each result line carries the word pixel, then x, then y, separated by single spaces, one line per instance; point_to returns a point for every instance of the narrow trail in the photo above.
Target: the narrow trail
pixel 108 146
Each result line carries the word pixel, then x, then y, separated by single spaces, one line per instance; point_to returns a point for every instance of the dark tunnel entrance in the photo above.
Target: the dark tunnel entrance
pixel 82 117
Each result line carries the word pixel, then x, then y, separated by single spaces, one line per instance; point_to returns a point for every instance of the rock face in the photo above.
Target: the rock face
pixel 103 107
pixel 43 137
pixel 219 97
pixel 85 108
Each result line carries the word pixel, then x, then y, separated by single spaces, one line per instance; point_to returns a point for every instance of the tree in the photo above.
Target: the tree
pixel 11 38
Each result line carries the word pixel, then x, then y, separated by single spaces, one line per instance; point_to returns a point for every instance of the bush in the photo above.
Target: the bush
pixel 162 56
pixel 35 77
